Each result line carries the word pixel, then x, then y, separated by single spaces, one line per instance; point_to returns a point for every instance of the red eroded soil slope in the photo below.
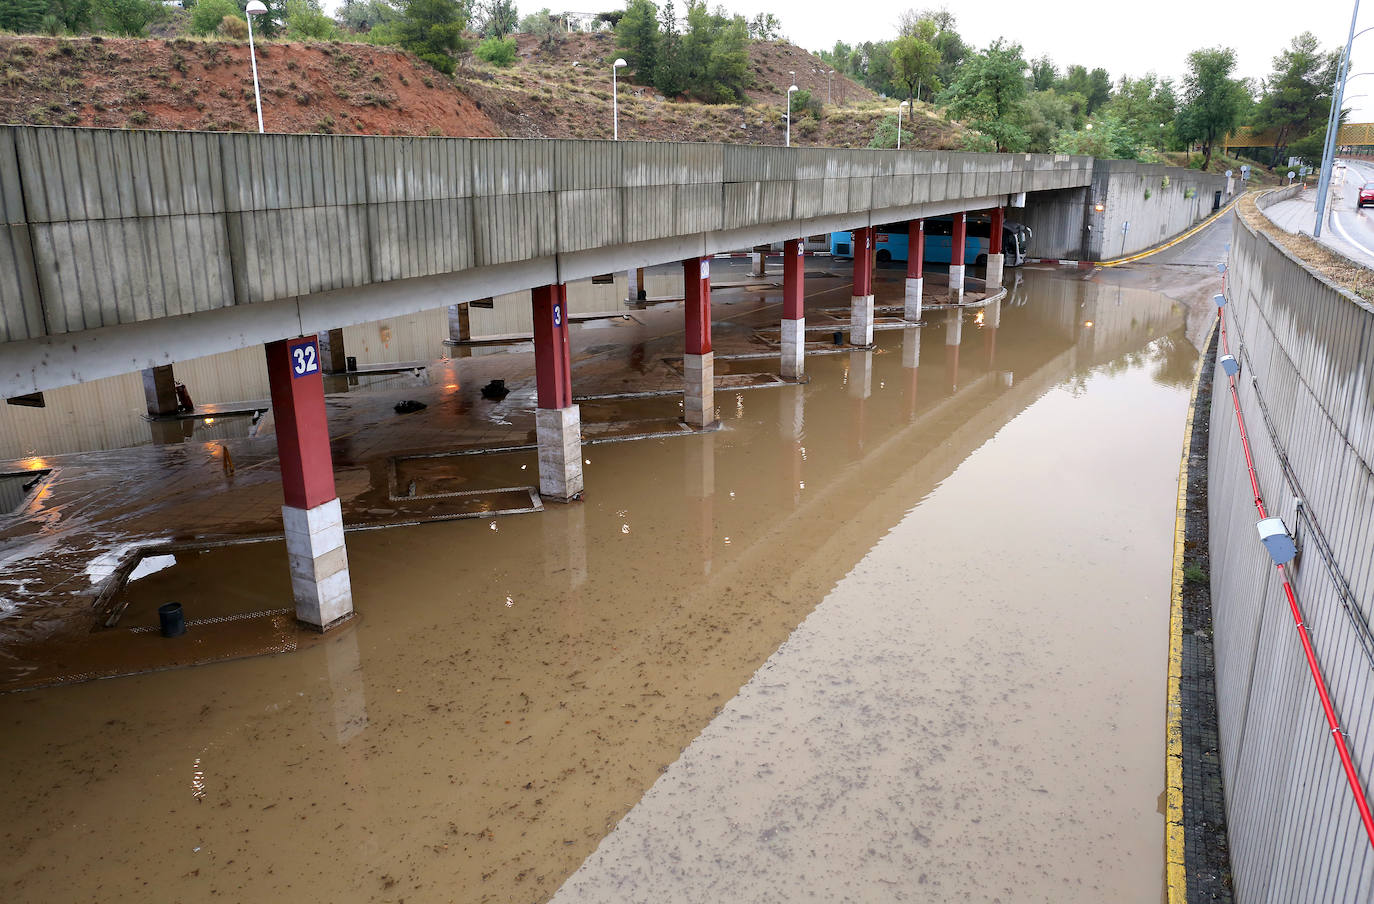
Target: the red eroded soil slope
pixel 208 85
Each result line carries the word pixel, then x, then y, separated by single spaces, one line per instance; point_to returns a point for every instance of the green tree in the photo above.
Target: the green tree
pixel 207 14
pixel 497 51
pixel 1145 107
pixel 953 50
pixel 75 15
pixel 988 91
pixel 130 18
pixel 715 56
pixel 915 60
pixel 433 31
pixel 1042 116
pixel 365 15
pixel 1106 136
pixel 637 36
pixel 22 15
pixel 1297 94
pixel 1212 99
pixel 307 21
pixel 1094 87
pixel 765 27
pixel 668 71
pixel 1044 75
pixel 498 17
pixel 544 26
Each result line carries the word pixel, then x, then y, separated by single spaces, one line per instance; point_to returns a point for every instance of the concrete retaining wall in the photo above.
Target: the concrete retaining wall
pixel 1307 391
pixel 1067 224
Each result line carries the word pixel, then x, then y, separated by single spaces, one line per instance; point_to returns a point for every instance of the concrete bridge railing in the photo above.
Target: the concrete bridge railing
pixel 108 227
pixel 1306 388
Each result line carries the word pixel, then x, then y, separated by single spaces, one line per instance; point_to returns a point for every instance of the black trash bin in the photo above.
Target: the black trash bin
pixel 173 621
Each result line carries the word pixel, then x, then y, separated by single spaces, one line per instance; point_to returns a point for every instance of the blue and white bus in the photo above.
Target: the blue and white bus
pixel 891 241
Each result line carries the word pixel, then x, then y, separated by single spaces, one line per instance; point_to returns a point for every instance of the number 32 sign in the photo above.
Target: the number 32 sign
pixel 305 359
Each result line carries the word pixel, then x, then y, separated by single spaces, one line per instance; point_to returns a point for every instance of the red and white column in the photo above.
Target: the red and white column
pixel 861 306
pixel 992 277
pixel 698 364
pixel 311 515
pixel 958 238
pixel 915 268
pixel 557 421
pixel 793 310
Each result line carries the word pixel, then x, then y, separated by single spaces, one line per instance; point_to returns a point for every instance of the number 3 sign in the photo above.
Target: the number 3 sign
pixel 305 359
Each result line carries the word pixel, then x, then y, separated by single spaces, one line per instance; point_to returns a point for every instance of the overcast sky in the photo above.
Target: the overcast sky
pixel 1124 39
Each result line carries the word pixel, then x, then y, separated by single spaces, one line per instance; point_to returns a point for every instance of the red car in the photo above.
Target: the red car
pixel 1366 194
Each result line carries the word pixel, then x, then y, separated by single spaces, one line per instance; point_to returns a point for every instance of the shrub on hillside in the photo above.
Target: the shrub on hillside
pixel 307 21
pixel 130 18
pixel 234 28
pixel 207 14
pixel 497 51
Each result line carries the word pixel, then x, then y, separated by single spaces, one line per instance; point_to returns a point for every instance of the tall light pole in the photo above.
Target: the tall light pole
pixel 615 96
pixel 255 8
pixel 789 115
pixel 827 85
pixel 1333 125
pixel 900 107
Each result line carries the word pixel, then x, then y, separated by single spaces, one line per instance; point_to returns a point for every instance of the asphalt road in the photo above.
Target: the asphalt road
pixel 1352 225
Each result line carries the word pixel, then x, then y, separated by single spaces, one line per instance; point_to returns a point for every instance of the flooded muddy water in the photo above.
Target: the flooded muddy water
pixel 898 633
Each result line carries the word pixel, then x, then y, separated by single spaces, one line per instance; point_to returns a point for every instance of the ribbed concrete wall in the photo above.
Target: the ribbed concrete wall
pixel 116 227
pixel 1177 199
pixel 1307 391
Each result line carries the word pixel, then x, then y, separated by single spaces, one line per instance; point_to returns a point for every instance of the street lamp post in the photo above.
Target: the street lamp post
pixel 828 76
pixel 255 8
pixel 789 115
pixel 1333 125
pixel 615 97
pixel 900 107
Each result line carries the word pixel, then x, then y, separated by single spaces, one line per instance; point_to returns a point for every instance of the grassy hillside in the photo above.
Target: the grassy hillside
pixel 562 91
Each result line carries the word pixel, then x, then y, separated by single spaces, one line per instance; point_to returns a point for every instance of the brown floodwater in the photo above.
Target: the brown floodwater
pixel 898 633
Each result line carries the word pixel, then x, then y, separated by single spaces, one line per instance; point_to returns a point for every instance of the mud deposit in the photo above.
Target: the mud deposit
pixel 960 542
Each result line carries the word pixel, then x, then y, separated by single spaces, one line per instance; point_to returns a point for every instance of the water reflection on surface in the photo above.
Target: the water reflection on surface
pixel 971 713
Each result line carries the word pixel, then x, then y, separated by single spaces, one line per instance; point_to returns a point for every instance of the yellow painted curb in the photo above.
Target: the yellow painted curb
pixel 1176 239
pixel 1175 870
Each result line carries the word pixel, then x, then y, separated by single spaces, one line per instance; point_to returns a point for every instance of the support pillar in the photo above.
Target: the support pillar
pixel 459 322
pixel 793 310
pixel 698 364
pixel 915 268
pixel 958 238
pixel 992 277
pixel 861 306
pixel 758 260
pixel 557 421
pixel 160 390
pixel 332 355
pixel 634 279
pixel 313 520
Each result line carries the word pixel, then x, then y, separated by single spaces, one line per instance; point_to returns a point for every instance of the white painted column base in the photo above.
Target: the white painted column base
pixel 319 564
pixel 993 277
pixel 757 265
pixel 861 320
pixel 559 434
pixel 794 348
pixel 699 389
pixel 956 281
pixel 915 286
